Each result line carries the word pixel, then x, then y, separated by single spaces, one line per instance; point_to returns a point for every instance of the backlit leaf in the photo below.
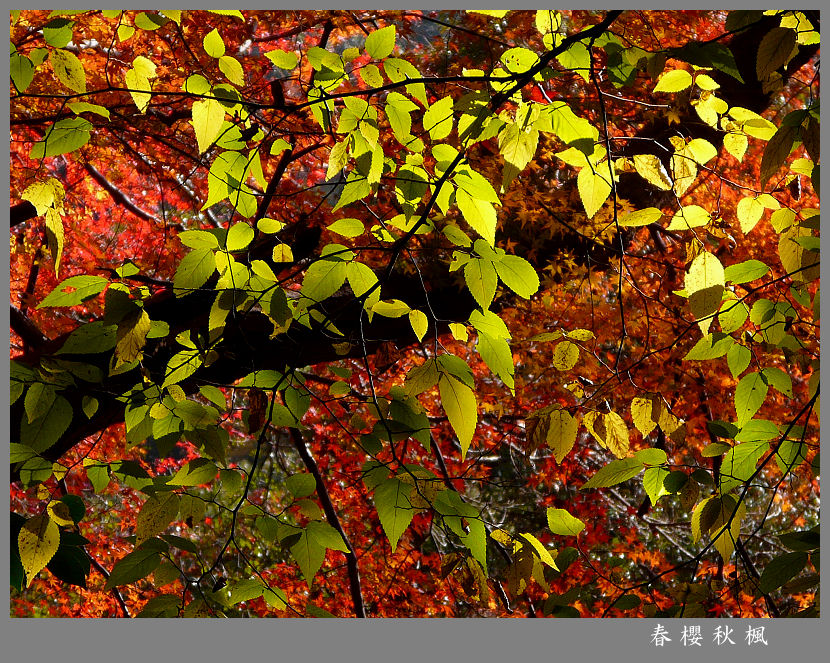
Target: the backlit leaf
pixel 37 543
pixel 459 402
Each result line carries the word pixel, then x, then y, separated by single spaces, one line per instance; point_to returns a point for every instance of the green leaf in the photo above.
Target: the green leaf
pixel 480 276
pixel 394 508
pixel 732 315
pixel 517 147
pixel 757 429
pixel 155 515
pixel 381 43
pixel 164 605
pixel 738 358
pixel 651 456
pixel 43 432
pixel 194 270
pixel 137 565
pixel 563 523
pixel 68 69
pixel 239 237
pixel 653 479
pixel 480 214
pixel 194 473
pixel 710 346
pixel 398 70
pixel 39 398
pixel 199 239
pixel 438 119
pixel 496 353
pixel 615 472
pixel 62 137
pixel 739 463
pixel 181 366
pixel 750 394
pixel 518 275
pixel 213 43
pixel 777 150
pixel 22 71
pixel 301 485
pixel 779 379
pixel 459 402
pixel 781 569
pixel 283 59
pixel 327 536
pixel 208 115
pixel 398 110
pixel 746 271
pixel 774 51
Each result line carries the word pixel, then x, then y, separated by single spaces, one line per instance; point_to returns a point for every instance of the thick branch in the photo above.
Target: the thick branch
pixel 334 521
pixel 26 329
pixel 21 212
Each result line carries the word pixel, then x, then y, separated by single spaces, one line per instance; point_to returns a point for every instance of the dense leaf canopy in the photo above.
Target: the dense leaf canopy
pixel 414 313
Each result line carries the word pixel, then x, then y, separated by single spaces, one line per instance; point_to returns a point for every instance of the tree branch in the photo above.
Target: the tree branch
pixel 333 520
pixel 26 329
pixel 119 196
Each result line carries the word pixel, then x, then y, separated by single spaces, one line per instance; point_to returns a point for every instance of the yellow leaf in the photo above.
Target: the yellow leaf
pixel 561 433
pixel 736 144
pixel 54 236
pixel 132 336
pixel 594 190
pixel 704 285
pixel 232 69
pixel 459 331
pixel 650 168
pixel 702 151
pixel 419 322
pixel 565 356
pixel 800 264
pixel 642 217
pixel 459 402
pixel 43 194
pixel 37 543
pixel 547 21
pixel 690 216
pixel 706 82
pixel 156 514
pixel 645 412
pixel 609 430
pixel 749 212
pixel 68 69
pixel 139 87
pixel 208 115
pixel 59 512
pixel 674 81
pixel 723 535
pixel 144 66
pixel 684 171
pixel 282 253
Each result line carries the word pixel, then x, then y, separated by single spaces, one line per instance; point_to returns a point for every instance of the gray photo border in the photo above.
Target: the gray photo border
pixel 399 640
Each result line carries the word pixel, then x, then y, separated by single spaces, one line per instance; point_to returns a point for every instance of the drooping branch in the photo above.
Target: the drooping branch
pixel 26 329
pixel 21 212
pixel 119 196
pixel 333 520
